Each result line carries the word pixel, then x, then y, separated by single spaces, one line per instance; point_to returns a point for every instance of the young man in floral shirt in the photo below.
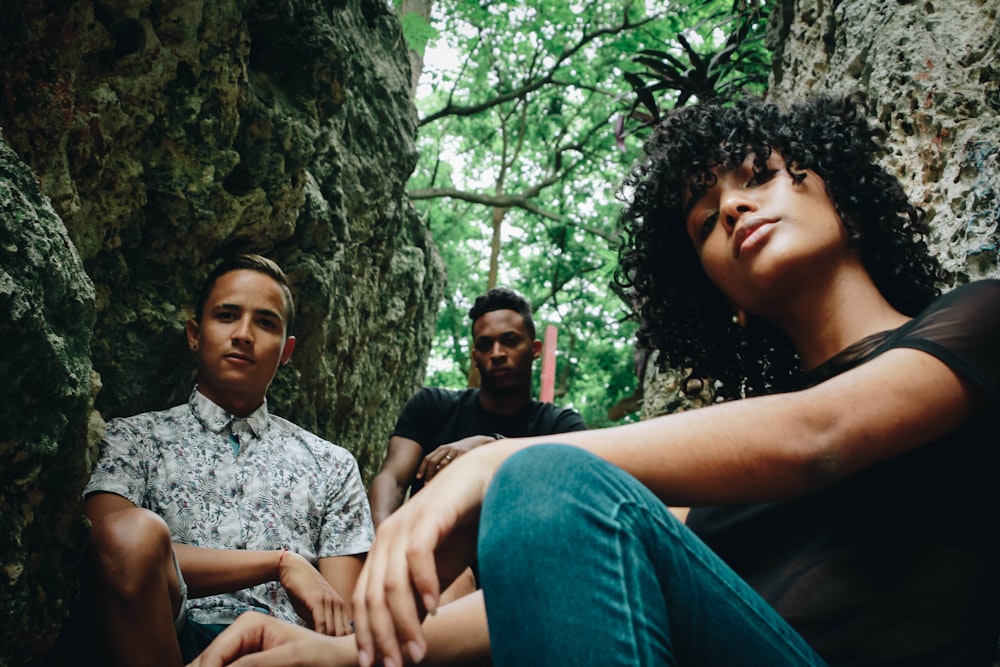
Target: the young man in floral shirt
pixel 214 507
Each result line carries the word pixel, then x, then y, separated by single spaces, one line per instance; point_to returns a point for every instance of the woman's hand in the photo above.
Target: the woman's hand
pixel 430 539
pixel 259 640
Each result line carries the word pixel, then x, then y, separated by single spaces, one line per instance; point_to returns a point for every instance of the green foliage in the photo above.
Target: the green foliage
pixel 732 60
pixel 519 166
pixel 417 32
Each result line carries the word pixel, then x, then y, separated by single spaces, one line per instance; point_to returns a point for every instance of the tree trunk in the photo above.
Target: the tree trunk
pixel 421 8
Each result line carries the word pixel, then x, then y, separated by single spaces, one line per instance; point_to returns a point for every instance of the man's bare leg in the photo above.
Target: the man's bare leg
pixel 135 589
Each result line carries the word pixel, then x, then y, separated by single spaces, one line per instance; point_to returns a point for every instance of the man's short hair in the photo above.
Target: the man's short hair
pixel 248 262
pixel 503 298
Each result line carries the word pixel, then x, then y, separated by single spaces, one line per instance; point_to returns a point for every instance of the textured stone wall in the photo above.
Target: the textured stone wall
pixel 166 135
pixel 932 74
pixel 931 71
pixel 46 320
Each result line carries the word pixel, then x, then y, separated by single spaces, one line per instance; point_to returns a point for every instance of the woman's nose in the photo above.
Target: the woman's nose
pixel 735 204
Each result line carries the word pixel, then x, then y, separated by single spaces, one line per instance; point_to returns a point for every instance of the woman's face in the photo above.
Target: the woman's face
pixel 762 234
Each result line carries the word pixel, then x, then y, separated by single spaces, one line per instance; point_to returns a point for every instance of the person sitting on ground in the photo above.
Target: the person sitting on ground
pixel 438 425
pixel 214 507
pixel 844 506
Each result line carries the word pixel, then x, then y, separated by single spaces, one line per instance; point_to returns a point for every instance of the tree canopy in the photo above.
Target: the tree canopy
pixel 530 117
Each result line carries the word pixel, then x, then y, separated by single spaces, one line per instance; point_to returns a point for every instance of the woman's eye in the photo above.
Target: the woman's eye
pixel 708 225
pixel 761 177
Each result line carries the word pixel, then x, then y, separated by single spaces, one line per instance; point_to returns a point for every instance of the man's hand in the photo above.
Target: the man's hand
pixel 437 460
pixel 275 643
pixel 312 597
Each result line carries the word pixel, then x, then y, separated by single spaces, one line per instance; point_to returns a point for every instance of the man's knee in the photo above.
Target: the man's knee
pixel 129 547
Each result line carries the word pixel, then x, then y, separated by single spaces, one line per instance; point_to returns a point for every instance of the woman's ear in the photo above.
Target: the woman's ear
pixel 740 317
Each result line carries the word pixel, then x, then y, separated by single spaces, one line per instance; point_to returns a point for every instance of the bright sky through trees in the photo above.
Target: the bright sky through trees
pixel 519 163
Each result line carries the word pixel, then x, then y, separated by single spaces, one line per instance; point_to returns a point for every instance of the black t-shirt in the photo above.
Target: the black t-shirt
pixel 435 416
pixel 898 564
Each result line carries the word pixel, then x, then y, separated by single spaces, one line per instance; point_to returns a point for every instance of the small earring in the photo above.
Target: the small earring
pixel 740 318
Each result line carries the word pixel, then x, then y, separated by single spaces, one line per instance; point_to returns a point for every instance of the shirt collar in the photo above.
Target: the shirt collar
pixel 217 420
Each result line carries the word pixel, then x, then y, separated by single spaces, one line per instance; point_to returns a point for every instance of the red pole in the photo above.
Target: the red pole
pixel 548 364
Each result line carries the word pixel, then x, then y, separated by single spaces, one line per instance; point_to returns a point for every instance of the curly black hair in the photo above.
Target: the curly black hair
pixel 686 317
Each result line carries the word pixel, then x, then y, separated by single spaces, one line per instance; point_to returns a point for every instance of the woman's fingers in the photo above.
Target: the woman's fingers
pixel 431 536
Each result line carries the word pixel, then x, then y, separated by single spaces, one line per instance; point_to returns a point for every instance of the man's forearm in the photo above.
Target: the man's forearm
pixel 214 571
pixel 386 496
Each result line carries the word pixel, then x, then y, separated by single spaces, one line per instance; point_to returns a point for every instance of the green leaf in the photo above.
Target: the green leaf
pixel 417 32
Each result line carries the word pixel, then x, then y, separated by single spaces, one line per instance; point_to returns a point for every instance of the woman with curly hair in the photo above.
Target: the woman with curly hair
pixel 685 316
pixel 844 511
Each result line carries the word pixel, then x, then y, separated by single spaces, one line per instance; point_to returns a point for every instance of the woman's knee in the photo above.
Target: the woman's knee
pixel 559 473
pixel 531 481
pixel 558 490
pixel 544 490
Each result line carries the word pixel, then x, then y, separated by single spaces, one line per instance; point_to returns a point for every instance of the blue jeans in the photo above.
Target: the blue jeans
pixel 582 565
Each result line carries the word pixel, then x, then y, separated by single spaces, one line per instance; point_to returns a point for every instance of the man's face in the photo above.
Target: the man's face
pixel 503 352
pixel 241 340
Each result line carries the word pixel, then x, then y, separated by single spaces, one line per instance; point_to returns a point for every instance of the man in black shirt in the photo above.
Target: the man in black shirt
pixel 438 425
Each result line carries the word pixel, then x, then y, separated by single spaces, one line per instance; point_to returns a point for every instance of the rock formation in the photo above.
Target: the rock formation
pixel 46 320
pixel 167 135
pixel 170 134
pixel 931 71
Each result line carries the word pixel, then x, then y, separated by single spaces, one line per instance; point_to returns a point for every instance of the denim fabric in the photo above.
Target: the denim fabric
pixel 582 565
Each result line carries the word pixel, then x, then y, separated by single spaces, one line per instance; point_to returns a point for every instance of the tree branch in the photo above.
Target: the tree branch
pixel 545 78
pixel 507 201
pixel 497 201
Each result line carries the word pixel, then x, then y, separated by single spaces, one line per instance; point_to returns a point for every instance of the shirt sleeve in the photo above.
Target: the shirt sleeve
pixel 122 464
pixel 962 329
pixel 569 420
pixel 347 527
pixel 421 412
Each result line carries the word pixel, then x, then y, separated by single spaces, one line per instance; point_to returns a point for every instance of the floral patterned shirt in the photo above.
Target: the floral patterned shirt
pixel 285 488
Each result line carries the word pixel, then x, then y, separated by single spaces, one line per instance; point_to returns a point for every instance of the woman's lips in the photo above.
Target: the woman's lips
pixel 750 234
